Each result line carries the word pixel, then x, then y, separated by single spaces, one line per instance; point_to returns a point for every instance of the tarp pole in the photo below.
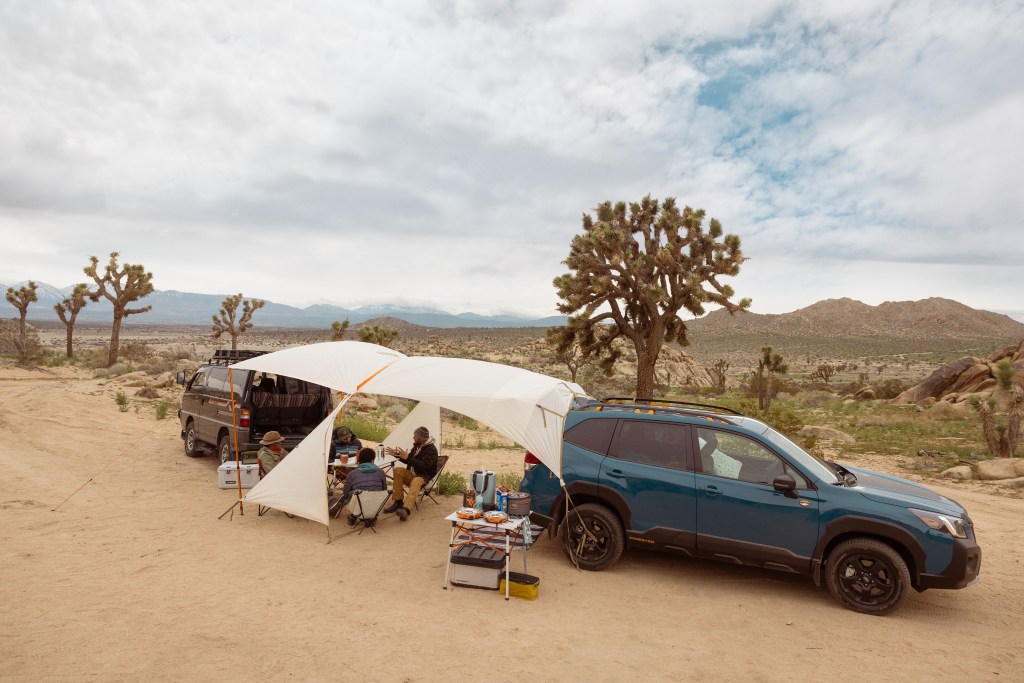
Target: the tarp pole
pixel 234 430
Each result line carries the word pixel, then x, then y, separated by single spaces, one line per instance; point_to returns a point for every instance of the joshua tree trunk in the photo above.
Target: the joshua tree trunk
pixel 115 337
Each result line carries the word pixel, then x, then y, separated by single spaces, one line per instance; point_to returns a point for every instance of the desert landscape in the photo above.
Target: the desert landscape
pixel 116 566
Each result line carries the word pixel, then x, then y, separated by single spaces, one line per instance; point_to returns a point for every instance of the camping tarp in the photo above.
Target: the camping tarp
pixel 523 405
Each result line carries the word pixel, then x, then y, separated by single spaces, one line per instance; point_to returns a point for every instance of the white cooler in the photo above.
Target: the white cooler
pixel 228 479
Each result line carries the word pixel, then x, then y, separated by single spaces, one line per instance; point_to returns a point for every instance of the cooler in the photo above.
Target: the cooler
pixel 477 566
pixel 228 479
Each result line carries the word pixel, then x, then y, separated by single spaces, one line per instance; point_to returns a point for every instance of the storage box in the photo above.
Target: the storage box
pixel 227 479
pixel 525 586
pixel 477 566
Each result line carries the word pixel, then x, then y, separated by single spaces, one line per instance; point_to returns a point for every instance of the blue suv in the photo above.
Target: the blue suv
pixel 707 482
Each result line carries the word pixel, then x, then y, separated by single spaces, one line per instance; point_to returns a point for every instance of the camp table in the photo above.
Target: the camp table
pixel 504 538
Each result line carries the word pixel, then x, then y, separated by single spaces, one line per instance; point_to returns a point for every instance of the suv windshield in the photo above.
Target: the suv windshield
pixel 812 462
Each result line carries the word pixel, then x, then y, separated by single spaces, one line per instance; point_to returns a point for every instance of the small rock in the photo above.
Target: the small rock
pixel 1015 483
pixel 960 473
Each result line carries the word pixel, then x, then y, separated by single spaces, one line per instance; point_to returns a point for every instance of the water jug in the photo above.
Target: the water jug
pixel 483 483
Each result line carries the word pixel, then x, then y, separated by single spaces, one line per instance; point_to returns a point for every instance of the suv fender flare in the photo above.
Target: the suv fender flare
pixel 850 526
pixel 587 492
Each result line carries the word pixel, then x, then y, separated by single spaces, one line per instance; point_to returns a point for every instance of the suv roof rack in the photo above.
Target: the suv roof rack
pixel 670 405
pixel 227 356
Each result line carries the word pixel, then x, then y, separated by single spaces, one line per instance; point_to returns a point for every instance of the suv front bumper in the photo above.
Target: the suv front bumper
pixel 962 570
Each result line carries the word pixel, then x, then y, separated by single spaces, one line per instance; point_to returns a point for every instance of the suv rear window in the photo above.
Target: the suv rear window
pixel 594 434
pixel 662 444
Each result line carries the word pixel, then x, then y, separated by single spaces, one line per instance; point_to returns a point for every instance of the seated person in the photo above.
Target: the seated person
pixel 420 467
pixel 271 452
pixel 345 442
pixel 365 477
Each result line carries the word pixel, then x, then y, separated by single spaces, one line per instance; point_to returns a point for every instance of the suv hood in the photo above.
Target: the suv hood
pixel 885 488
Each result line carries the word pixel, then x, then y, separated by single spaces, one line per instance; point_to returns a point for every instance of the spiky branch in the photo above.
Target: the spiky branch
pixel 225 322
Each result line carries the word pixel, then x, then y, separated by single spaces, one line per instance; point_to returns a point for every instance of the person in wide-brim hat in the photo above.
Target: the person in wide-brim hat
pixel 271 452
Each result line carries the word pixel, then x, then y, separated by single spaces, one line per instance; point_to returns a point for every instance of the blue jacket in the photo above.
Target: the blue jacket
pixel 365 477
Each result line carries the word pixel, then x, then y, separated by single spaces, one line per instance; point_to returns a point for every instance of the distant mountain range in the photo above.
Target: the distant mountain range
pixel 171 307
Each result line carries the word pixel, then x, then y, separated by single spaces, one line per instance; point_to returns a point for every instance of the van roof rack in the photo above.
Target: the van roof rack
pixel 670 405
pixel 227 356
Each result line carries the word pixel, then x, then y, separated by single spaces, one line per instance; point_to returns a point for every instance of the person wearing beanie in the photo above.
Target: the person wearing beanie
pixel 420 467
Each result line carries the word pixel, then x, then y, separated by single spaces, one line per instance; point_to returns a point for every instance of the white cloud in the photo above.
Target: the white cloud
pixel 300 153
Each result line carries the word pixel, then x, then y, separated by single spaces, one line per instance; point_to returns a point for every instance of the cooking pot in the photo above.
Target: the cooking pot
pixel 518 504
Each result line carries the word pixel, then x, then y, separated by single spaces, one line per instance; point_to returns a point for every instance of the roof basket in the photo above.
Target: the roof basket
pixel 665 403
pixel 227 356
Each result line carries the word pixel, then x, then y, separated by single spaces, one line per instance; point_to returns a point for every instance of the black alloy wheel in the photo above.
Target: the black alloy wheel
pixel 867 576
pixel 592 537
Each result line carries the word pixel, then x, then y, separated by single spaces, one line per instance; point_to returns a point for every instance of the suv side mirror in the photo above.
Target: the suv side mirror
pixel 786 484
pixel 180 377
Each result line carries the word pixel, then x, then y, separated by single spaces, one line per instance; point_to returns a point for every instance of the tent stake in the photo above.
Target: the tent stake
pixel 229 509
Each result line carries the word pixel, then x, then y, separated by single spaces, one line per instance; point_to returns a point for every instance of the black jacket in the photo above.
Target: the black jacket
pixel 424 462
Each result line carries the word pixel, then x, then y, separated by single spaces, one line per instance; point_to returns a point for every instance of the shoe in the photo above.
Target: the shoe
pixel 352 519
pixel 403 514
pixel 394 507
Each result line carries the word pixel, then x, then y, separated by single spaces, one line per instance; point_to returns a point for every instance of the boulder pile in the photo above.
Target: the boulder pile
pixel 964 378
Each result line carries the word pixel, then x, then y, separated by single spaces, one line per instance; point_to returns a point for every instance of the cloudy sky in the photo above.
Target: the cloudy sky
pixel 443 153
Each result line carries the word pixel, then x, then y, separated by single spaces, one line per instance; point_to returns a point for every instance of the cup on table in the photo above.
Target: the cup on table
pixel 344 459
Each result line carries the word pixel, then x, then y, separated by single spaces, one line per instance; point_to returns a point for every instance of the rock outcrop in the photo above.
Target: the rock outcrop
pixel 969 376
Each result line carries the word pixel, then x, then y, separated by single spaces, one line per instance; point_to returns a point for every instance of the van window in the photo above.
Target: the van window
pixel 217 383
pixel 198 382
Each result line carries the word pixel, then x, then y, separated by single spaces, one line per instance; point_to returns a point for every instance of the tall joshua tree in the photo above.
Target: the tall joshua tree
pixel 640 266
pixel 20 298
pixel 375 334
pixel 225 322
pixel 339 329
pixel 121 287
pixel 67 310
pixel 768 365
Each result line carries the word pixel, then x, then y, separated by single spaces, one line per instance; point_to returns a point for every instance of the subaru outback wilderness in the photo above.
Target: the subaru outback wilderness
pixel 263 402
pixel 707 482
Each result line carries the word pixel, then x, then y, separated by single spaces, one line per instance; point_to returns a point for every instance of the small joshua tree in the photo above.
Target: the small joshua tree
pixel 824 372
pixel 339 330
pixel 374 334
pixel 120 287
pixel 225 321
pixel 565 350
pixel 20 298
pixel 769 365
pixel 717 372
pixel 1001 438
pixel 67 310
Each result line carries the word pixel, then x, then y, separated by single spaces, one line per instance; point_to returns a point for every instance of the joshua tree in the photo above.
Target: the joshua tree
pixel 20 298
pixel 67 310
pixel 339 330
pixel 640 268
pixel 225 321
pixel 570 355
pixel 374 334
pixel 769 365
pixel 120 287
pixel 1004 373
pixel 717 372
pixel 824 372
pixel 1001 438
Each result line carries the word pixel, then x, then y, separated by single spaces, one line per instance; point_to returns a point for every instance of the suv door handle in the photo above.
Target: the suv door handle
pixel 617 474
pixel 712 490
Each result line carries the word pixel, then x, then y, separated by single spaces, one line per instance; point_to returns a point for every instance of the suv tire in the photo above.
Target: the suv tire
pixel 224 451
pixel 867 576
pixel 192 448
pixel 592 537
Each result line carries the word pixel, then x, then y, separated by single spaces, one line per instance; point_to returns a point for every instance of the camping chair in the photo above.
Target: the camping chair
pixel 428 490
pixel 365 506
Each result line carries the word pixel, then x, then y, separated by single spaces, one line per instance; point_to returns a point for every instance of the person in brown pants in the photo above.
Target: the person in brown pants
pixel 420 467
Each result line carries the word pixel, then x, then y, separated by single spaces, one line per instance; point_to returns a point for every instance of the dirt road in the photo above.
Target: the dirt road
pixel 133 576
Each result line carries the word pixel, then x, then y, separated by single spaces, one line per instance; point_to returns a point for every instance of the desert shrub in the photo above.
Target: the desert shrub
pixel 814 399
pixel 451 483
pixel 53 359
pixel 134 350
pixel 1004 373
pixel 162 408
pixel 10 342
pixel 460 442
pixel 396 412
pixel 510 480
pixel 891 388
pixel 147 392
pixel 468 423
pixel 113 371
pixel 944 410
pixel 179 352
pixel 121 399
pixel 367 427
pixel 93 359
pixel 158 365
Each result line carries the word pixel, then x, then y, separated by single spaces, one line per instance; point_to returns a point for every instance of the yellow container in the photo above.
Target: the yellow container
pixel 520 585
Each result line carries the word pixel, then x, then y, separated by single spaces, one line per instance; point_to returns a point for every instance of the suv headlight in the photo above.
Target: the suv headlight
pixel 954 526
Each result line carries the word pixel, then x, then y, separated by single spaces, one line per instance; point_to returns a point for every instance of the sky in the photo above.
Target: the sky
pixel 444 153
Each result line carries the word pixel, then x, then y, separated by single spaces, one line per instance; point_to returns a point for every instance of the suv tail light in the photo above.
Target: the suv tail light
pixel 530 461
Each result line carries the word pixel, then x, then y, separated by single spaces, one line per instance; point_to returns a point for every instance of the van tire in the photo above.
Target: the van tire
pixel 224 450
pixel 192 448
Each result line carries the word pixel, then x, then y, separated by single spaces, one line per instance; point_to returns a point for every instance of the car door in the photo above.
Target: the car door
pixel 740 516
pixel 216 404
pixel 192 401
pixel 649 464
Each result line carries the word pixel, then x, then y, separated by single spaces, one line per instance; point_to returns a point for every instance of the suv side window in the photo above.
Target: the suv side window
pixel 217 382
pixel 662 444
pixel 737 457
pixel 594 434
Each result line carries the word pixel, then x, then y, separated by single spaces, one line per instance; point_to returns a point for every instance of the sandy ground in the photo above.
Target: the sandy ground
pixel 133 576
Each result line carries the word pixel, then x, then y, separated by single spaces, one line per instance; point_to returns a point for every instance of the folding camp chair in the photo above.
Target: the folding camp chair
pixel 428 490
pixel 365 506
